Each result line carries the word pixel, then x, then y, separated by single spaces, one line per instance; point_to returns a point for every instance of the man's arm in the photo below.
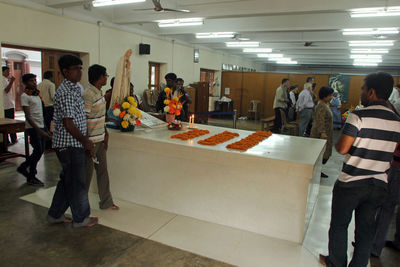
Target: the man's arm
pixel 74 131
pixel 28 117
pixel 8 87
pixel 344 144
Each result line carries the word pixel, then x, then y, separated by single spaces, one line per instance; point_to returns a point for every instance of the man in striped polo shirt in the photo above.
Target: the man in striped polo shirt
pixel 95 105
pixel 369 139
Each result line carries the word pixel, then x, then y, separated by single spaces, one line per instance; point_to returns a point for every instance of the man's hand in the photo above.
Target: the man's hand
pixel 89 146
pixel 12 79
pixel 324 136
pixel 45 135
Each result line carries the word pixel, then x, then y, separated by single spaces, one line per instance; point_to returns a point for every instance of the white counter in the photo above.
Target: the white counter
pixel 263 190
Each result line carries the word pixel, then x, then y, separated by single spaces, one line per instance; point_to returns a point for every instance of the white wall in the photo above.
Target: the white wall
pixel 105 45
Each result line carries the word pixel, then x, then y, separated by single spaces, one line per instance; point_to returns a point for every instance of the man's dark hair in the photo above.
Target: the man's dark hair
pixel 27 77
pixel 293 87
pixel 381 82
pixel 180 80
pixel 66 61
pixel 48 75
pixel 112 82
pixel 4 68
pixel 284 80
pixel 325 92
pixel 95 72
pixel 171 76
pixel 309 79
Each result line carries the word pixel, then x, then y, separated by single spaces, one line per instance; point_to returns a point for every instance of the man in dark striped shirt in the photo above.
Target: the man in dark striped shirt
pixel 369 139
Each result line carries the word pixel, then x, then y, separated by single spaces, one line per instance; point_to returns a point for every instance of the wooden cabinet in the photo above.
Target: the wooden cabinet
pixel 199 93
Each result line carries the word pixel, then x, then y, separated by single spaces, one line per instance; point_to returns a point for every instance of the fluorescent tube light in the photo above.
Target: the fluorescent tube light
pixel 371 43
pixel 370 31
pixel 279 59
pixel 371 60
pixel 215 35
pixel 375 12
pixel 365 64
pixel 242 44
pixel 257 50
pixel 99 3
pixel 287 62
pixel 365 56
pixel 180 22
pixel 369 51
pixel 270 55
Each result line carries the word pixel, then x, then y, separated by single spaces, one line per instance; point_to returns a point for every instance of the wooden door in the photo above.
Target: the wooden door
pixel 233 81
pixel 154 76
pixel 253 89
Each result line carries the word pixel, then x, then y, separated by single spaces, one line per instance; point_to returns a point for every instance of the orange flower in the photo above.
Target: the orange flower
pixel 122 114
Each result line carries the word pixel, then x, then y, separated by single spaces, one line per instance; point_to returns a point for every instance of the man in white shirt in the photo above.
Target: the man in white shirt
pixel 305 106
pixel 280 103
pixel 47 91
pixel 8 97
pixel 394 98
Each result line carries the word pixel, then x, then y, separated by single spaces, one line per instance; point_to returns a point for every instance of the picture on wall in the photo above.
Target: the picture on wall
pixel 341 83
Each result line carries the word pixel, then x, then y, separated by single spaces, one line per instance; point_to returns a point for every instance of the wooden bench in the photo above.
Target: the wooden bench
pixel 8 126
pixel 267 123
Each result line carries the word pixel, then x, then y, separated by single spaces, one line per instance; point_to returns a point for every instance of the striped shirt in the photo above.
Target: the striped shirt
pixel 95 107
pixel 68 103
pixel 377 131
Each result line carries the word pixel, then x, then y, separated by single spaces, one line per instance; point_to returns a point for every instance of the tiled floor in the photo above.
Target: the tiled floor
pixel 142 236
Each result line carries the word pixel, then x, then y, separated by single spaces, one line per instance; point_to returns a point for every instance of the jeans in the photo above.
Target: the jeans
pixel 48 116
pixel 364 200
pixel 9 114
pixel 386 212
pixel 278 120
pixel 71 190
pixel 305 118
pixel 37 142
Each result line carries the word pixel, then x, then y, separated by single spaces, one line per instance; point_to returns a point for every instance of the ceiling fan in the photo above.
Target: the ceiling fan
pixel 159 8
pixel 308 44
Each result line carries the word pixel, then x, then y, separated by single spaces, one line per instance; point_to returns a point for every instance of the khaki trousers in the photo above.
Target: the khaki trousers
pixel 103 181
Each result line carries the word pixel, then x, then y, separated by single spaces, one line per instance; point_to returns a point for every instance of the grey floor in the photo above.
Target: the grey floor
pixel 27 240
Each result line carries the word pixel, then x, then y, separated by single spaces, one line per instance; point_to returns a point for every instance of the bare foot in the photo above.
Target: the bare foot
pixel 92 221
pixel 114 207
pixel 322 260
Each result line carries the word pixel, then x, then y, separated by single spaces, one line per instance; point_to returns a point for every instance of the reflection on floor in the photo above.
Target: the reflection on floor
pixel 142 236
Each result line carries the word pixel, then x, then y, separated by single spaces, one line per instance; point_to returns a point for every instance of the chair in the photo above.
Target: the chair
pixel 255 108
pixel 150 99
pixel 292 128
pixel 267 123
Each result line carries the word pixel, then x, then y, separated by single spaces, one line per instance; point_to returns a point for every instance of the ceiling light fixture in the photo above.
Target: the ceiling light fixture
pixel 369 51
pixel 270 55
pixel 257 50
pixel 242 44
pixel 365 64
pixel 371 31
pixel 287 62
pixel 215 35
pixel 99 3
pixel 280 59
pixel 180 22
pixel 371 43
pixel 368 60
pixel 375 12
pixel 365 56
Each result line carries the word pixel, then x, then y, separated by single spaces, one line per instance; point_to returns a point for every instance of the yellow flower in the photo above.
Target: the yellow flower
pixel 167 90
pixel 131 100
pixel 125 105
pixel 134 104
pixel 166 101
pixel 131 110
pixel 124 124
pixel 176 98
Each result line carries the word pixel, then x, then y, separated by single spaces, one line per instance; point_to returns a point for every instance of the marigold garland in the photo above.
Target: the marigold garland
pixel 218 138
pixel 190 134
pixel 250 141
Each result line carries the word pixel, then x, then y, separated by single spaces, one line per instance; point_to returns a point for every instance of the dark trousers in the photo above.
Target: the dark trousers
pixel 71 190
pixel 386 213
pixel 48 116
pixel 278 121
pixel 364 200
pixel 9 114
pixel 37 142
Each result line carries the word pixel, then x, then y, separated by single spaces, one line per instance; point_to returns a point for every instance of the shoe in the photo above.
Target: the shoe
pixel 87 222
pixel 23 171
pixel 62 219
pixel 35 181
pixel 323 175
pixel 391 244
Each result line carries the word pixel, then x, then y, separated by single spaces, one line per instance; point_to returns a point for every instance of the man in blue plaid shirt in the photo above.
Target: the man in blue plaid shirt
pixel 70 141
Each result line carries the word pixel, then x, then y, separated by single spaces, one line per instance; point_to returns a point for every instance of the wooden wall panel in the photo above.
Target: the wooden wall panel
pixel 298 79
pixel 253 89
pixel 273 81
pixel 234 81
pixel 356 81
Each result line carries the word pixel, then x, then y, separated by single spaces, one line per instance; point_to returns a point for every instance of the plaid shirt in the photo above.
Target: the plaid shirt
pixel 68 103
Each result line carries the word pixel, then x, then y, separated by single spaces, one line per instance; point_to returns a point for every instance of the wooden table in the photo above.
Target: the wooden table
pixel 267 123
pixel 8 126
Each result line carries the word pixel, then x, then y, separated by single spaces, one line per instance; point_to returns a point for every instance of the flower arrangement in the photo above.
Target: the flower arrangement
pixel 173 106
pixel 347 113
pixel 128 113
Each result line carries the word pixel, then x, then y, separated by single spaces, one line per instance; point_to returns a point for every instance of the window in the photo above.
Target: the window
pixel 154 75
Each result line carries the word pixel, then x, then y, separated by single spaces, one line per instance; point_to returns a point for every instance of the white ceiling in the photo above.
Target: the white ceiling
pixel 283 25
